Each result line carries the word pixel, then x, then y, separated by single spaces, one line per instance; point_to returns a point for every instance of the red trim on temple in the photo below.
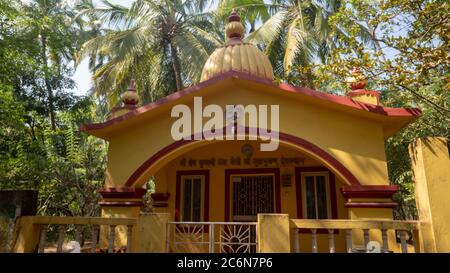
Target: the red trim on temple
pixel 306 145
pixel 378 191
pixel 371 204
pixel 160 205
pixel 386 111
pixel 160 199
pixel 160 196
pixel 123 192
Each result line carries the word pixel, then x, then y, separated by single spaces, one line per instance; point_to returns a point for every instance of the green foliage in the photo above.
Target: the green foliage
pixel 66 166
pixel 76 164
pixel 39 150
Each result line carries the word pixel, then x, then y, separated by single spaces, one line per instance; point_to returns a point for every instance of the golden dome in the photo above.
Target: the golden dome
pixel 236 55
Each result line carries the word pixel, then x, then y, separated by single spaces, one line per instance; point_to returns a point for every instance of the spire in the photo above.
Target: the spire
pixel 234 29
pixel 234 17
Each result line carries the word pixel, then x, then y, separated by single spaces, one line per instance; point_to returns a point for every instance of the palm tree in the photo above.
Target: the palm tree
pixel 90 27
pixel 297 34
pixel 161 44
pixel 250 11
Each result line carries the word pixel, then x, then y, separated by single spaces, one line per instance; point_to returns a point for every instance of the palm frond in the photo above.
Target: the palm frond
pixel 270 29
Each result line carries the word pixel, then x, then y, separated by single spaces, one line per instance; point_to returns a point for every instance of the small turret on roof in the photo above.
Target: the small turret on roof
pixel 357 82
pixel 130 100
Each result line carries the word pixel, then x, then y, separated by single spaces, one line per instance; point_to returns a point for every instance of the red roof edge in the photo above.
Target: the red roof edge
pixel 378 109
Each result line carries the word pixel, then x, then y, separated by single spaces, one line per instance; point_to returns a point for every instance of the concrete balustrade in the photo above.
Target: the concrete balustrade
pixel 30 234
pixel 148 233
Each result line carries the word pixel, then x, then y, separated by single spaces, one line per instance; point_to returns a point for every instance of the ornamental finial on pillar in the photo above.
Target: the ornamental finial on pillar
pixel 357 80
pixel 130 97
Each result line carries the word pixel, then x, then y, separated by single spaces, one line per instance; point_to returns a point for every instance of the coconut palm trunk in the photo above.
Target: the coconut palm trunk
pixel 176 66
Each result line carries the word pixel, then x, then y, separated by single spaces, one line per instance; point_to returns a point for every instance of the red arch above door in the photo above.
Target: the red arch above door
pixel 303 144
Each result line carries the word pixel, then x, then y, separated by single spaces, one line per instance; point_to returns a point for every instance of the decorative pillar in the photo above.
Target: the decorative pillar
pixel 371 202
pixel 430 160
pixel 151 233
pixel 357 82
pixel 123 202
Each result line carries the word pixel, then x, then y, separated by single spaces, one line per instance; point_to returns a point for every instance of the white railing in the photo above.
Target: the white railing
pixel 221 237
pixel 350 228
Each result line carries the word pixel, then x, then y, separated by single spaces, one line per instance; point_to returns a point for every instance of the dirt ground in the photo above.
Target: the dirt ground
pixel 86 248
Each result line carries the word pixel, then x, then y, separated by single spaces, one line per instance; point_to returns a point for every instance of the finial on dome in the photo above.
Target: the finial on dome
pixel 132 86
pixel 234 28
pixel 130 97
pixel 236 55
pixel 234 17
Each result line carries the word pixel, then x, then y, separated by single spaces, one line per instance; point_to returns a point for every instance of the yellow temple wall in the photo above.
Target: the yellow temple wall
pixel 355 142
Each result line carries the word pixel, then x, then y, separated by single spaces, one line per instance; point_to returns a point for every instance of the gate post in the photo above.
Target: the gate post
pixel 273 233
pixel 150 234
pixel 430 160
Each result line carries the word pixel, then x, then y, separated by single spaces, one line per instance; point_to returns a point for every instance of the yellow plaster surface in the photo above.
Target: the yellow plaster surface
pixel 431 168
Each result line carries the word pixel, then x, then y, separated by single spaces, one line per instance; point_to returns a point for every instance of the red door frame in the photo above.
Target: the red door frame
pixel 230 172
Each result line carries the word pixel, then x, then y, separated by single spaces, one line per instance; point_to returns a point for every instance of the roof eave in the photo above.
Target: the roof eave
pixel 410 114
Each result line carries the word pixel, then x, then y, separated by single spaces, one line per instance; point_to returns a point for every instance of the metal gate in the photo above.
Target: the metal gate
pixel 212 237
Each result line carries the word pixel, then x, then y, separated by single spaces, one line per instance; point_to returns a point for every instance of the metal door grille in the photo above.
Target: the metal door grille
pixel 252 195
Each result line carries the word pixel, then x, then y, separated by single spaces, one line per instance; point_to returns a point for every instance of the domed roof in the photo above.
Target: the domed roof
pixel 236 55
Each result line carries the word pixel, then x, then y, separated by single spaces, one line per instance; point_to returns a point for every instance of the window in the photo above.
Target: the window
pixel 316 195
pixel 192 188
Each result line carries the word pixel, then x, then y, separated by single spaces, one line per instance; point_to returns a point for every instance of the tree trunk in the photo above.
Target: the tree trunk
pixel 176 66
pixel 51 110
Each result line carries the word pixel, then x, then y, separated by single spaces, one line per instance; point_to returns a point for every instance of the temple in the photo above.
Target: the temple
pixel 326 185
pixel 330 163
